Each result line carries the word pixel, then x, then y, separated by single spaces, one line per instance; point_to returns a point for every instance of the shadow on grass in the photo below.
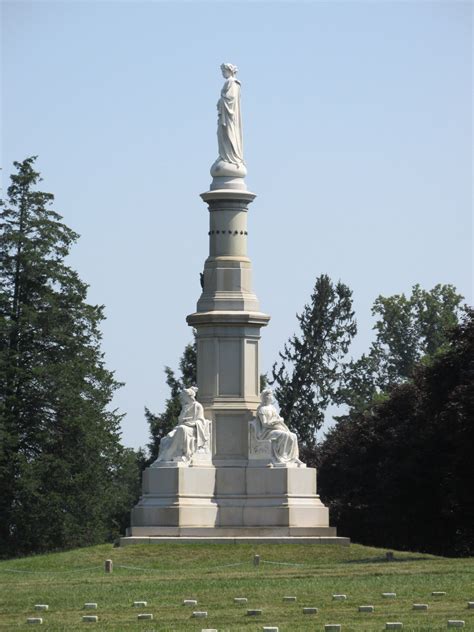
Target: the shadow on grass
pixel 383 560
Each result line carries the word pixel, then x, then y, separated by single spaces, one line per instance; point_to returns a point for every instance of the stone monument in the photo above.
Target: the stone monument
pixel 230 469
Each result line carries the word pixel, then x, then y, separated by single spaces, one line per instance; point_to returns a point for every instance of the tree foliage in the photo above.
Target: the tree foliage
pixel 62 467
pixel 398 473
pixel 408 330
pixel 164 422
pixel 311 366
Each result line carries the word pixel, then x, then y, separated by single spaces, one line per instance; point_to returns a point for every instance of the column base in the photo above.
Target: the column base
pixel 220 504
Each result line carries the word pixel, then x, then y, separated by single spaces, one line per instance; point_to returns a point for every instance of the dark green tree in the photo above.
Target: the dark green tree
pixel 164 422
pixel 311 366
pixel 398 473
pixel 408 330
pixel 62 466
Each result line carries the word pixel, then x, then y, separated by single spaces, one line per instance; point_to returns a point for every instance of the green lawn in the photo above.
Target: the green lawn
pixel 165 574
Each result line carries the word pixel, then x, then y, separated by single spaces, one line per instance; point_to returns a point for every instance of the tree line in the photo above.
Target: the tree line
pixel 394 468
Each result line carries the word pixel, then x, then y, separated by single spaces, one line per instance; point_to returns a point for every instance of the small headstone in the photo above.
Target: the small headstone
pixel 339 597
pixel 389 595
pixel 253 613
pixel 289 598
pixel 270 629
pixel 389 556
pixel 455 623
pixel 256 560
pixel 366 608
pixel 420 606
pixel 190 602
pixel 332 627
pixel 140 604
pixel 41 606
pixel 438 593
pixel 199 615
pixel 310 611
pixel 394 625
pixel 144 616
pixel 38 620
pixel 209 630
pixel 108 566
pixel 470 605
pixel 240 599
pixel 90 618
pixel 90 606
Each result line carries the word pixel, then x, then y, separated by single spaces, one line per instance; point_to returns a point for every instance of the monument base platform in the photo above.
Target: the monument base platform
pixel 228 504
pixel 237 539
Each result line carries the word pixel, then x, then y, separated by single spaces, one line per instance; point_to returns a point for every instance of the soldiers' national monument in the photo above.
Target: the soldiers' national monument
pixel 230 469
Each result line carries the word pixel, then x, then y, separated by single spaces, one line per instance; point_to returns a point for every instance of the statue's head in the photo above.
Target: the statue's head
pixel 229 70
pixel 188 394
pixel 266 396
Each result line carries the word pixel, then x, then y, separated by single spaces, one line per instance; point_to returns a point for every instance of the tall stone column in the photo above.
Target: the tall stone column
pixel 242 480
pixel 227 322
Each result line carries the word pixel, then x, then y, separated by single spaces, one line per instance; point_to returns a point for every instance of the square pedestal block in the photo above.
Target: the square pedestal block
pixel 237 501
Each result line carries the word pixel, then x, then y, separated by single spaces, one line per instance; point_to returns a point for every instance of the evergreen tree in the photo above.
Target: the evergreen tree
pixel 312 363
pixel 62 467
pixel 163 423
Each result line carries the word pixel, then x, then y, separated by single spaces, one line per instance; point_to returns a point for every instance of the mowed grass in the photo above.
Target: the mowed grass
pixel 166 574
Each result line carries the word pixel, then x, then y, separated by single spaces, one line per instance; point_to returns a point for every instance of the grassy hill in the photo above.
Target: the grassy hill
pixel 166 574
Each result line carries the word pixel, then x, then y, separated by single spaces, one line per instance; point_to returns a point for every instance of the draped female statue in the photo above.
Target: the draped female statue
pixel 268 425
pixel 192 433
pixel 229 127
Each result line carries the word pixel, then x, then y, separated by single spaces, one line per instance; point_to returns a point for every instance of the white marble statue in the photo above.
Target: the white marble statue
pixel 229 127
pixel 269 426
pixel 190 436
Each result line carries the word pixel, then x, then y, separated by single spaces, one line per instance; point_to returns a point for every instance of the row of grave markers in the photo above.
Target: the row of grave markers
pixel 390 625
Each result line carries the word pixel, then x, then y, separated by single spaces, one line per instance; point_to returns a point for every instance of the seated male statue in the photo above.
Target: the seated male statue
pixel 190 436
pixel 268 425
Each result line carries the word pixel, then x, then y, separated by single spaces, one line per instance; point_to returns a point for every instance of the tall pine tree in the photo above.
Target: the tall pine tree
pixel 62 467
pixel 311 365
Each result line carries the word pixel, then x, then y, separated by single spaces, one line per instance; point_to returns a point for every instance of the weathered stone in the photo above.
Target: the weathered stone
pixel 38 620
pixel 270 629
pixel 455 623
pixel 310 611
pixel 240 600
pixel 438 593
pixel 145 616
pixel 252 613
pixel 140 604
pixel 41 606
pixel 339 597
pixel 332 627
pixel 90 606
pixel 108 566
pixel 420 606
pixel 394 625
pixel 470 605
pixel 366 608
pixel 389 595
pixel 190 602
pixel 289 598
pixel 199 614
pixel 90 618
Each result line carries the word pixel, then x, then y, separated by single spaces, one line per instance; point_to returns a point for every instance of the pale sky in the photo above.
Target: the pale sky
pixel 357 138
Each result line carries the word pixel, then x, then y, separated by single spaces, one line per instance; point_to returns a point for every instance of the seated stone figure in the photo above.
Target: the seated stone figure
pixel 270 429
pixel 190 436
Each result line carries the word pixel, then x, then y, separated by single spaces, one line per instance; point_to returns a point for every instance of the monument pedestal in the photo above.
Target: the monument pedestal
pixel 240 504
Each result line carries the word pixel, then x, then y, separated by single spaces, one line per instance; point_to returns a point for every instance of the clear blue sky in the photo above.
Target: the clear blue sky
pixel 357 135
